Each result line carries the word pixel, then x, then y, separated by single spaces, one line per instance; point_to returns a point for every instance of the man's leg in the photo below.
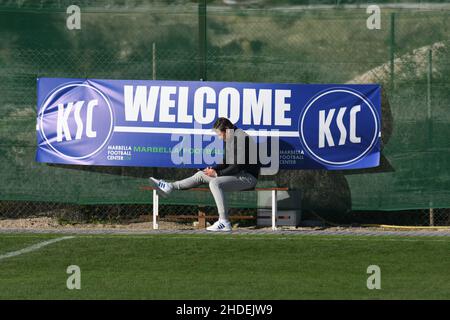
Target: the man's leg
pixel 197 179
pixel 220 185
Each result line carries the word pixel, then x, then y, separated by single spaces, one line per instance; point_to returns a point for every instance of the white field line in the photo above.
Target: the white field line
pixel 34 247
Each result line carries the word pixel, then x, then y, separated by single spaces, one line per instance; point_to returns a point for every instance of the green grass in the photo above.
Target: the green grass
pixel 13 242
pixel 226 267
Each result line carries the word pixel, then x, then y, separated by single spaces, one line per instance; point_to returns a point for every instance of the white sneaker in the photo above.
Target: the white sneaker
pixel 163 188
pixel 220 225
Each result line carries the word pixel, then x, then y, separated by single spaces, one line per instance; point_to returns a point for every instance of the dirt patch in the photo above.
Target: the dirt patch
pixel 52 224
pixel 48 223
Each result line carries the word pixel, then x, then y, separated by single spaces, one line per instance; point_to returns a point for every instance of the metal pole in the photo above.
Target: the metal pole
pixel 202 39
pixel 274 210
pixel 155 210
pixel 429 74
pixel 429 114
pixel 431 217
pixel 429 121
pixel 154 61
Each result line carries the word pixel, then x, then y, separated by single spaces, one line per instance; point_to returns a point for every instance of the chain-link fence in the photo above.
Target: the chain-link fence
pixel 259 41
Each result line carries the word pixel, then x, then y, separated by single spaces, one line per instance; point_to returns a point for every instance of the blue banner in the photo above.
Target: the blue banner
pixel 169 123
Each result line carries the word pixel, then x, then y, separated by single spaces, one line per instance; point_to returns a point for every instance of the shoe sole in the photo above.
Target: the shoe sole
pixel 219 230
pixel 158 190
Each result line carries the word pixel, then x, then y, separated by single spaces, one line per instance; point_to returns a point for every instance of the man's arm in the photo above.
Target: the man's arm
pixel 230 170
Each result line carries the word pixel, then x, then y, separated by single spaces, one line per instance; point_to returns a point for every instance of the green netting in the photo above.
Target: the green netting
pixel 286 41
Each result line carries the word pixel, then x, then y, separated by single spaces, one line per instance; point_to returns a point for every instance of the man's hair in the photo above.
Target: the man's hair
pixel 222 124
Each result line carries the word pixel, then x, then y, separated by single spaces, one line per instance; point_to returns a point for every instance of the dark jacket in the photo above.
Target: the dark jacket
pixel 245 156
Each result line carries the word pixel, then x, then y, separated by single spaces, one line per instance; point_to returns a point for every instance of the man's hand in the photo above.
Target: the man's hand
pixel 210 172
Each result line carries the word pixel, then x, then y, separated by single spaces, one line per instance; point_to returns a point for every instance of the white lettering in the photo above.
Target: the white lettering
pixel 183 115
pixel 166 104
pixel 353 137
pixel 142 102
pixel 62 125
pixel 281 107
pixel 341 126
pixel 324 128
pixel 199 105
pixel 78 120
pixel 257 108
pixel 229 110
pixel 89 132
pixel 139 102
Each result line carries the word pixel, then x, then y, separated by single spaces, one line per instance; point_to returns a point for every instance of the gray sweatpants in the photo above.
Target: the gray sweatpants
pixel 218 185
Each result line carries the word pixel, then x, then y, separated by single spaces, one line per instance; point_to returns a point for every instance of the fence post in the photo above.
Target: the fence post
pixel 392 52
pixel 429 78
pixel 430 70
pixel 154 61
pixel 429 120
pixel 202 39
pixel 431 214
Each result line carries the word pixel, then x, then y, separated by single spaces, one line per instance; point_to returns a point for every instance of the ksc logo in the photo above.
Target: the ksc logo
pixel 339 127
pixel 76 121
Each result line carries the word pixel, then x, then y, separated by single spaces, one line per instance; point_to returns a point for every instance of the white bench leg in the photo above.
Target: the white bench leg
pixel 274 209
pixel 155 210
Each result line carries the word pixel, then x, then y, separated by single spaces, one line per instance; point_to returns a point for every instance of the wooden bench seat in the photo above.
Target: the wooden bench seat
pixel 202 217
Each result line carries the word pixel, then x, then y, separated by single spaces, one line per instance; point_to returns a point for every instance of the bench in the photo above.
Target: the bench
pixel 202 218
